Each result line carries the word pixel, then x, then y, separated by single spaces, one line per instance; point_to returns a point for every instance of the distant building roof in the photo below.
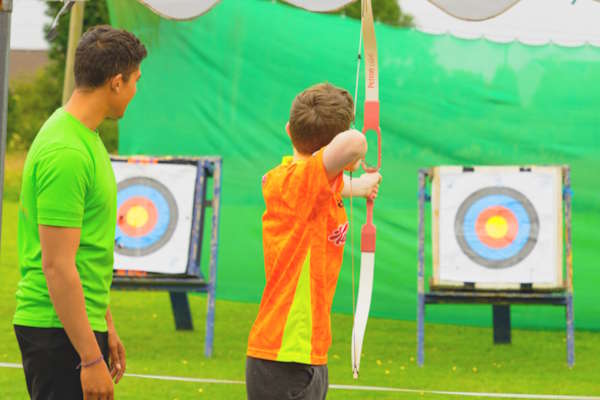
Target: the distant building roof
pixel 23 64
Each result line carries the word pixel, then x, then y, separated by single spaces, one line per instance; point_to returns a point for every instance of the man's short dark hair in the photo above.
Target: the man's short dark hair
pixel 104 52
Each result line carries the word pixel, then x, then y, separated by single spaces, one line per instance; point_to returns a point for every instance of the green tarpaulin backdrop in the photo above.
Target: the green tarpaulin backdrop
pixel 223 84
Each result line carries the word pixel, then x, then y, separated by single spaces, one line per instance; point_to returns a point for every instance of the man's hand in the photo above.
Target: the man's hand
pixel 96 382
pixel 117 355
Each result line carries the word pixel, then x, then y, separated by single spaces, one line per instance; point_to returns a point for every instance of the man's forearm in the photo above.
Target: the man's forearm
pixel 109 320
pixel 66 293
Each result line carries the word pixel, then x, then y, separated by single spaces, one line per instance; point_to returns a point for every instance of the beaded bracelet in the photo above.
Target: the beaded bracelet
pixel 89 364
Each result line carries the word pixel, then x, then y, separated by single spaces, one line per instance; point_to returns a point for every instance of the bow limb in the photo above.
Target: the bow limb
pixel 365 289
pixel 368 233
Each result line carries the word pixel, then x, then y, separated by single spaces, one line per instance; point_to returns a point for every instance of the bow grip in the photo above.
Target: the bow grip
pixel 368 231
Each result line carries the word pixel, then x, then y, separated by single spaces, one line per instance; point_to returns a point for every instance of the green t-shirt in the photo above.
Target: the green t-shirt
pixel 68 181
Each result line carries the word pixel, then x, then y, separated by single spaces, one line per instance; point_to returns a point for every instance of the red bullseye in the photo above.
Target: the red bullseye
pixel 137 216
pixel 495 216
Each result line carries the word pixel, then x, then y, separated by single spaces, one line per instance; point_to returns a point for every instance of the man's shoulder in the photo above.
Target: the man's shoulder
pixel 57 135
pixel 57 154
pixel 59 150
pixel 59 128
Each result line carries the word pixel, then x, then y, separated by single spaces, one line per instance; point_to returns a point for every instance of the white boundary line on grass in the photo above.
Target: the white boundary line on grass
pixel 359 388
pixel 10 365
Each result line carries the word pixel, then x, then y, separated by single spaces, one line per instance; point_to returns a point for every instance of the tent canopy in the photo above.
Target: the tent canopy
pixel 472 10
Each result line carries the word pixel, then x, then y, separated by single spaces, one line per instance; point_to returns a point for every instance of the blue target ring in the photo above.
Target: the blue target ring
pixel 524 219
pixel 157 205
pixel 472 238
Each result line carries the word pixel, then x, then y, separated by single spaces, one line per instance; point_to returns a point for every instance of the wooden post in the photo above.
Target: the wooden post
pixel 5 11
pixel 75 28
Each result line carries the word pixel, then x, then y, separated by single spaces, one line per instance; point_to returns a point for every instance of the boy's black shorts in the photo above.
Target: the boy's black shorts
pixel 50 362
pixel 275 380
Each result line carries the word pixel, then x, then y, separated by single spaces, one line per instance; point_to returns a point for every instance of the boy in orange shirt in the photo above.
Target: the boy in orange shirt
pixel 304 232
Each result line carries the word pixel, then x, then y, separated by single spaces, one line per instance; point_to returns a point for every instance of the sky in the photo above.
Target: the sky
pixel 27 22
pixel 530 21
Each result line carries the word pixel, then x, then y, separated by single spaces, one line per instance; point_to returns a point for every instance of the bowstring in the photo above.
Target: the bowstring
pixel 353 282
pixel 358 58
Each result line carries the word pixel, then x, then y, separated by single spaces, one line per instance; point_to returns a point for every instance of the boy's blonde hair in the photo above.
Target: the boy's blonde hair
pixel 317 115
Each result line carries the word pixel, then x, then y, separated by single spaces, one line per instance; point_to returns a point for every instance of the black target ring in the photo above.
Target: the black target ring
pixel 154 201
pixel 517 248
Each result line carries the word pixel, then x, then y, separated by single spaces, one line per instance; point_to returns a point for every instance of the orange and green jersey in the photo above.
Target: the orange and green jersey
pixel 304 232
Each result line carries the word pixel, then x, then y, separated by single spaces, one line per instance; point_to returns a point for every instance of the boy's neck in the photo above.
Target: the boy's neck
pixel 300 156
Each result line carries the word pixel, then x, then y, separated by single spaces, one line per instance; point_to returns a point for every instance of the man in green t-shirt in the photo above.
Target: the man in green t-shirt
pixel 67 216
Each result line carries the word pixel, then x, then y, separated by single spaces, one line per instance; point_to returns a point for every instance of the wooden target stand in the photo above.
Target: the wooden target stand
pixel 193 280
pixel 501 299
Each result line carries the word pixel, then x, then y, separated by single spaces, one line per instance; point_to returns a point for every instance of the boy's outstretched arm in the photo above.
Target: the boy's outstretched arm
pixel 345 150
pixel 367 185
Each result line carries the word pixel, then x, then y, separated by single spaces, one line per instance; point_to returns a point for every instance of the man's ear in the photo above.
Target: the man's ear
pixel 116 82
pixel 287 128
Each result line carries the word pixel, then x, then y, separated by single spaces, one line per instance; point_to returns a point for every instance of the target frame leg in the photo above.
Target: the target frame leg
pixel 421 330
pixel 214 255
pixel 501 318
pixel 210 323
pixel 570 332
pixel 181 311
pixel 422 184
pixel 567 195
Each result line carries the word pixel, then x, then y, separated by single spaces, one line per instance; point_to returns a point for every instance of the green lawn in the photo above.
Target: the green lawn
pixel 457 358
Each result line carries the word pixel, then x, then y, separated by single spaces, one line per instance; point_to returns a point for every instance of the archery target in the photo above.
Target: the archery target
pixel 146 216
pixel 154 216
pixel 498 226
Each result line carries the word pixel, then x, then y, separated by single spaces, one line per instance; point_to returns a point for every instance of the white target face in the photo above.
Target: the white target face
pixel 154 216
pixel 498 226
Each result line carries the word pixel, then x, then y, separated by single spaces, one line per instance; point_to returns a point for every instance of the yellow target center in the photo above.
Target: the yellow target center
pixel 496 227
pixel 137 216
